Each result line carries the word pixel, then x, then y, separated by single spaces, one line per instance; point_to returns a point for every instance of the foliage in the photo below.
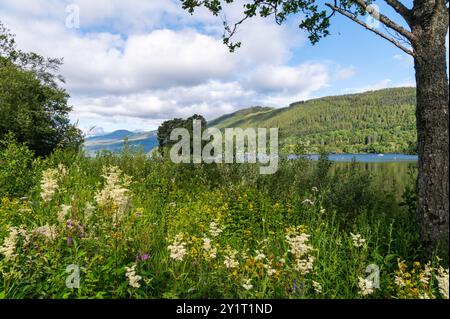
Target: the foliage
pixel 166 128
pixel 17 164
pixel 315 20
pixel 33 105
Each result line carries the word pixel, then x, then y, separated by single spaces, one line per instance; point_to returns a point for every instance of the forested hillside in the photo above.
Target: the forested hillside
pixel 380 121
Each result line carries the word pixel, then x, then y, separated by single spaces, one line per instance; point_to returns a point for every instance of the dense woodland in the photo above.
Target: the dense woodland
pixel 373 122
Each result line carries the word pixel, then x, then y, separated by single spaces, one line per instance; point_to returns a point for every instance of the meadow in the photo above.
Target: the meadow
pixel 142 227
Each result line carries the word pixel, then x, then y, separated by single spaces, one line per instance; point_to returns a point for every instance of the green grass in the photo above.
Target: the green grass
pixel 103 235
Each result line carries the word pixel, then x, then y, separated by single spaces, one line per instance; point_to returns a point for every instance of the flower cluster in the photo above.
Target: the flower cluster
pixel 317 287
pixel 442 279
pixel 177 248
pixel 270 270
pixel 247 284
pixel 300 250
pixel 214 229
pixel 230 258
pixel 49 181
pixel 210 251
pixel 8 249
pixel 48 232
pixel 414 282
pixel 259 255
pixel 358 240
pixel 115 191
pixel 133 278
pixel 365 286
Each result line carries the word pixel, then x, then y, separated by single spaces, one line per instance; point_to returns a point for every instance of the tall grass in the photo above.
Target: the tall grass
pixel 139 227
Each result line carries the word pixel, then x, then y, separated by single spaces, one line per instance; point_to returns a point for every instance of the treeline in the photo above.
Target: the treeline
pixel 380 121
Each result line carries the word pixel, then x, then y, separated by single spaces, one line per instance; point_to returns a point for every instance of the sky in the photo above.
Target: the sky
pixel 131 64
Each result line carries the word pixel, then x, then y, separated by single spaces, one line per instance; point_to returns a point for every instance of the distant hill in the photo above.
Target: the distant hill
pixel 116 135
pixel 381 121
pixel 114 141
pixel 228 120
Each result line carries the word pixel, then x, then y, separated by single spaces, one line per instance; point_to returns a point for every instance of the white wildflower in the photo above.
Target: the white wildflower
pixel 315 189
pixel 299 248
pixel 270 270
pixel 62 214
pixel 357 239
pixel 230 259
pixel 49 232
pixel 247 284
pixel 317 287
pixel 25 235
pixel 209 249
pixel 304 265
pixel 8 249
pixel 62 170
pixel 442 279
pixel 298 244
pixel 259 255
pixel 133 278
pixel 425 275
pixel 424 295
pixel 178 248
pixel 214 229
pixel 399 281
pixel 49 184
pixel 115 191
pixel 365 286
pixel 308 202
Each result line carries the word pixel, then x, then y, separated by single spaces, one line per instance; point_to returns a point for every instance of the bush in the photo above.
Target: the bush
pixel 17 173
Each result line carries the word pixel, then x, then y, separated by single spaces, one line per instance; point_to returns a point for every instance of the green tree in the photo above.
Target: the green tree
pixel 33 106
pixel 421 34
pixel 168 126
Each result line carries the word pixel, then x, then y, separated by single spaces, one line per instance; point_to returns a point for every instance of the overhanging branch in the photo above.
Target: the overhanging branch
pixel 365 25
pixel 400 9
pixel 386 21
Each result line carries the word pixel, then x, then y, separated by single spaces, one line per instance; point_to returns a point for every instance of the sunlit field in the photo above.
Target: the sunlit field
pixel 133 226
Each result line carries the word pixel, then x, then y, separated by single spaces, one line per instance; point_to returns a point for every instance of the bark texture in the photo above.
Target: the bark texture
pixel 429 27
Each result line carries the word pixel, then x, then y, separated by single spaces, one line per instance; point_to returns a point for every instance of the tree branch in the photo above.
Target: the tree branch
pixel 401 9
pixel 365 25
pixel 386 21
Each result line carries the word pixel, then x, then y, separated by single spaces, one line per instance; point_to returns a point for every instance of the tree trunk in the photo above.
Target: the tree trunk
pixel 432 129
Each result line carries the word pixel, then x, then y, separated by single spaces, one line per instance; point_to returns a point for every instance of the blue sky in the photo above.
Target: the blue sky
pixel 133 64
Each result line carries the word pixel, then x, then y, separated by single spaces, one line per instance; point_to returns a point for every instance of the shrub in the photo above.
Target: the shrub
pixel 16 168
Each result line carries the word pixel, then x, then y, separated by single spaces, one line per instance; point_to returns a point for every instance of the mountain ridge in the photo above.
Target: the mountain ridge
pixel 377 121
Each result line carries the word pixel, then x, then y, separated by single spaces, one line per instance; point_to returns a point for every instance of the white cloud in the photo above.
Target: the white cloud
pixel 163 63
pixel 306 78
